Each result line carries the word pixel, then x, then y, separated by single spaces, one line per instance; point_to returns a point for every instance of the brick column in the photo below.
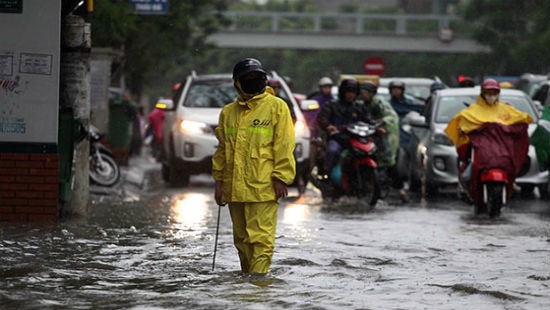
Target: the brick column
pixel 29 187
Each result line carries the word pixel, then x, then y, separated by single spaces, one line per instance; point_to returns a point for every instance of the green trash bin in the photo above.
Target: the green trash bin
pixel 120 129
pixel 119 124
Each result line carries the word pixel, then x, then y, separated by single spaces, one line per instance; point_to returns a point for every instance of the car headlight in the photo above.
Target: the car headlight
pixel 441 138
pixel 300 127
pixel 192 127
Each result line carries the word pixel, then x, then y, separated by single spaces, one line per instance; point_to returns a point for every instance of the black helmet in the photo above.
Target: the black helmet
pixel 436 86
pixel 246 66
pixel 369 86
pixel 397 84
pixel 348 85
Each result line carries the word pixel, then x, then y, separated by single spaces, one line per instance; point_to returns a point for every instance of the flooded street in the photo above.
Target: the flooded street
pixel 156 252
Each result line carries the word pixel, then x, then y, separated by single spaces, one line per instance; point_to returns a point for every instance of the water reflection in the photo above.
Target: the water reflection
pixel 295 214
pixel 190 211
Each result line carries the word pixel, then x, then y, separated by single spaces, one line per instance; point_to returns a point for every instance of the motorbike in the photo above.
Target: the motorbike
pixel 403 156
pixel 355 173
pixel 486 179
pixel 104 170
pixel 487 189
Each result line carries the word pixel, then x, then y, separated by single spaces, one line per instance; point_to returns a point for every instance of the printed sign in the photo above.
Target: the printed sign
pixel 11 6
pixel 29 72
pixel 150 6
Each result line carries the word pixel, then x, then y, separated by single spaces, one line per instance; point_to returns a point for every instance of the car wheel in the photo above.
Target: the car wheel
pixel 164 172
pixel 527 190
pixel 544 191
pixel 175 174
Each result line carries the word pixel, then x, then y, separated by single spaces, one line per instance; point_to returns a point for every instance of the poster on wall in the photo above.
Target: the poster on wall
pixel 29 72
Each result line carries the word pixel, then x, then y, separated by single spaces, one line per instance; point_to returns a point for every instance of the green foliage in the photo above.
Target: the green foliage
pixel 155 44
pixel 112 23
pixel 348 8
pixel 517 31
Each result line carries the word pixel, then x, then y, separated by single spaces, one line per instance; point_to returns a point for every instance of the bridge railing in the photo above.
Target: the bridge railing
pixel 393 24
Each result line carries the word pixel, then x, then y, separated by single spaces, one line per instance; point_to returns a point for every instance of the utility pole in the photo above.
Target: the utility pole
pixel 75 104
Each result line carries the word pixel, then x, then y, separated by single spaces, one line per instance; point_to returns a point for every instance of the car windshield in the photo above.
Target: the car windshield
pixel 449 106
pixel 386 96
pixel 210 94
pixel 419 91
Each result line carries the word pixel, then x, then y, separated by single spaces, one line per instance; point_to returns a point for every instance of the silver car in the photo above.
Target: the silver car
pixel 189 141
pixel 434 157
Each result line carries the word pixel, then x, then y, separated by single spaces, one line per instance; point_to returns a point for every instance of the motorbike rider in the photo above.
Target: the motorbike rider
pixel 334 116
pixel 388 142
pixel 155 120
pixel 323 96
pixel 403 106
pixel 489 110
pixel 435 86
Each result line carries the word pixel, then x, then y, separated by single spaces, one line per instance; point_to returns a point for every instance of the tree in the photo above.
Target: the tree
pixel 517 31
pixel 154 44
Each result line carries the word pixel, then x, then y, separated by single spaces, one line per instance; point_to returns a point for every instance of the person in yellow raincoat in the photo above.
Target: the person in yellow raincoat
pixel 481 118
pixel 253 164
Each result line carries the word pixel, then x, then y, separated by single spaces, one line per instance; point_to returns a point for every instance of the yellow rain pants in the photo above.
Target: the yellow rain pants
pixel 254 227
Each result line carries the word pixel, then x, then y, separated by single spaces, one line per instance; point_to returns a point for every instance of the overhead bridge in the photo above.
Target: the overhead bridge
pixel 357 32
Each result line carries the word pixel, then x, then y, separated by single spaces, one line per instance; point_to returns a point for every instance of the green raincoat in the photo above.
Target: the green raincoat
pixel 541 141
pixel 381 110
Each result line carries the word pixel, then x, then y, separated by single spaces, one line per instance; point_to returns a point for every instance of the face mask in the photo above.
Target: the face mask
pixel 253 86
pixel 491 99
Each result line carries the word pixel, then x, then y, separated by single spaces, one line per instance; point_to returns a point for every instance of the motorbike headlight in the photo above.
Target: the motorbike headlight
pixel 192 127
pixel 441 138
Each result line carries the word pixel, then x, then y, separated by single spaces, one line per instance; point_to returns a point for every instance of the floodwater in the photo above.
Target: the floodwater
pixel 156 252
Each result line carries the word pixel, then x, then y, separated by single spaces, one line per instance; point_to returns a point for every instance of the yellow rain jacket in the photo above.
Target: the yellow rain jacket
pixel 480 113
pixel 256 144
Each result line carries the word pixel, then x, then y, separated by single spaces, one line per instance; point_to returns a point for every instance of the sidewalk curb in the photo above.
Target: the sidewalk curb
pixel 141 175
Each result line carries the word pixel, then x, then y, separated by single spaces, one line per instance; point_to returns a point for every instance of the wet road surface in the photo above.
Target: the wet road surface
pixel 155 251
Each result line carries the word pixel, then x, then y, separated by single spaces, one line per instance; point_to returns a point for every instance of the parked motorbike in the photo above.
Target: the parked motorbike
pixel 104 170
pixel 487 178
pixel 355 174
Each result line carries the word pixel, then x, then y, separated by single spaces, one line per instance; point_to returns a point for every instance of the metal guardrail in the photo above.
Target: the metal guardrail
pixel 394 24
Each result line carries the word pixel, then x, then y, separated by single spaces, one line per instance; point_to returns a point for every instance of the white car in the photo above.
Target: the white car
pixel 189 141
